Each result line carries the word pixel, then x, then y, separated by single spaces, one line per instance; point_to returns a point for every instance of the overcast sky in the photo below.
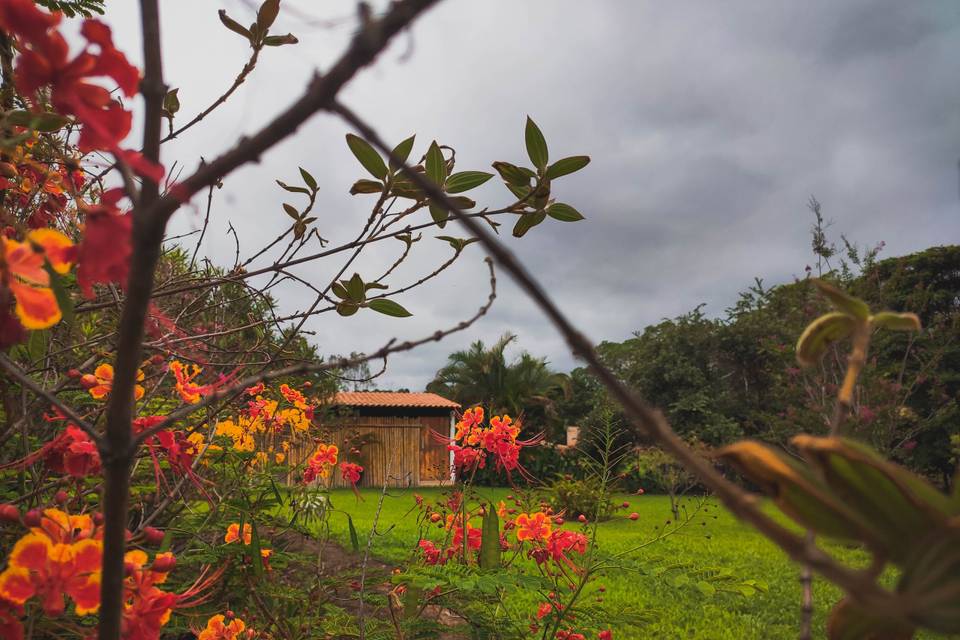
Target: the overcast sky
pixel 710 125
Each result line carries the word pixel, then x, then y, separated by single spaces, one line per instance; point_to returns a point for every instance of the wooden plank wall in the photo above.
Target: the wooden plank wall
pixel 404 446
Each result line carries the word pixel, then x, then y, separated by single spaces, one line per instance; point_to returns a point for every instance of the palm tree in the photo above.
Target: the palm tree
pixel 481 376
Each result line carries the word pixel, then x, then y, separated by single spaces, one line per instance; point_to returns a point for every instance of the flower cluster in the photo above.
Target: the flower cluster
pixel 220 628
pixel 191 392
pixel 23 276
pixel 321 462
pixel 472 443
pixel 58 559
pixel 100 382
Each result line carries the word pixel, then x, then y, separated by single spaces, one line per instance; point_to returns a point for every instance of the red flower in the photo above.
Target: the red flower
pixel 10 626
pixel 351 472
pixel 73 453
pixel 431 554
pixel 104 254
pixel 44 60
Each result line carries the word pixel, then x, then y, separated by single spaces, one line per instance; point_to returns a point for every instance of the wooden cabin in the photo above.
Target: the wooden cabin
pixel 396 434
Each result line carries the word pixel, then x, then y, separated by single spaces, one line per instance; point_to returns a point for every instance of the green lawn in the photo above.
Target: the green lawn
pixel 711 540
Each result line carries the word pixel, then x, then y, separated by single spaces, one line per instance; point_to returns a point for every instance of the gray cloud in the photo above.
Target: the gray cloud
pixel 710 125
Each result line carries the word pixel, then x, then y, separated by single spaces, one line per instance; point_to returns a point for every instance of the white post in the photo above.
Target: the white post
pixel 453 432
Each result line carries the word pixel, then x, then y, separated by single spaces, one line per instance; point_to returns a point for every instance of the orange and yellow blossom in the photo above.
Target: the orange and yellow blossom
pixel 100 383
pixel 535 527
pixel 22 273
pixel 59 558
pixel 233 533
pixel 218 629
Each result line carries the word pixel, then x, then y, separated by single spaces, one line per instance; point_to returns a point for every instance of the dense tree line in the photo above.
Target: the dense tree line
pixel 735 376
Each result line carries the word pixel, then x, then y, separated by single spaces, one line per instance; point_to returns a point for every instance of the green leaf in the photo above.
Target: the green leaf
pixel 279 41
pixel 901 507
pixel 402 152
pixel 291 189
pixel 299 229
pixel 466 180
pixel 367 156
pixel 255 551
pixel 798 491
pixel 374 285
pixel 267 14
pixel 436 164
pixel 388 308
pixel 563 212
pixel 536 145
pixel 528 221
pixel 490 540
pixel 37 344
pixel 347 308
pixel 931 581
pixel 366 186
pixel 706 588
pixel 457 243
pixel 512 174
pixel 340 291
pixel 308 179
pixel 842 300
pixel 291 211
pixel 896 321
pixel 439 215
pixel 48 122
pixel 354 538
pixel 462 202
pixel 567 166
pixel 820 334
pixel 356 289
pixel 60 293
pixel 233 25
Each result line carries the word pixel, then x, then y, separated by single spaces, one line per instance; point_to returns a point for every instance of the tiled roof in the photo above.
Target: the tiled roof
pixel 393 399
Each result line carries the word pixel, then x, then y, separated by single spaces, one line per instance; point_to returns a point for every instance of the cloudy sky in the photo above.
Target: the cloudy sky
pixel 710 126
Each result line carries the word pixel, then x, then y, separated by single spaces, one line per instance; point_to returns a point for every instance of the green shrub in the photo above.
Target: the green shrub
pixel 580 497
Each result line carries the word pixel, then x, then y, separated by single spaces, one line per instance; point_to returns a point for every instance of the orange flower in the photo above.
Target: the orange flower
pixel 63 528
pixel 189 391
pixel 217 630
pixel 40 567
pixel 294 397
pixel 23 274
pixel 320 462
pixel 100 383
pixel 533 526
pixel 233 533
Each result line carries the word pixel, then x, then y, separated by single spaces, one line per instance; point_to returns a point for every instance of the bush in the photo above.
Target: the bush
pixel 580 497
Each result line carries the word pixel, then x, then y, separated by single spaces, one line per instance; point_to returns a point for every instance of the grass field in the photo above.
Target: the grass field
pixel 677 610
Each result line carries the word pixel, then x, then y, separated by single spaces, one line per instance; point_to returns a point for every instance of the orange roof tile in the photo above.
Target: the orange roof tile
pixel 393 399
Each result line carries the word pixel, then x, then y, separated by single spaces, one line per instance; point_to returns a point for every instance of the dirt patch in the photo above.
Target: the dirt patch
pixel 337 571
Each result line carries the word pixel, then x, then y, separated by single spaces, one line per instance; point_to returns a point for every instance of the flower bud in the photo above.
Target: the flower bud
pixel 88 380
pixel 33 518
pixel 164 563
pixel 61 497
pixel 98 518
pixel 625 504
pixel 156 359
pixel 153 535
pixel 558 521
pixel 582 518
pixel 74 373
pixel 9 513
pixel 634 515
pixel 434 517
